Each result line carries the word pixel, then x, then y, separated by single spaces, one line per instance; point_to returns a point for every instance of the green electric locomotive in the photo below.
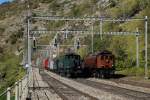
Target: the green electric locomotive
pixel 68 65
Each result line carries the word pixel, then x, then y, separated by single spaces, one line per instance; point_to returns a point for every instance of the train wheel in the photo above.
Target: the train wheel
pixel 74 75
pixel 94 74
pixel 61 73
pixel 97 74
pixel 102 75
pixel 86 73
pixel 68 75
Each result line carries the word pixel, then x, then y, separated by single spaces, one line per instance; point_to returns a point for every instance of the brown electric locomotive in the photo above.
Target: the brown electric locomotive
pixel 100 64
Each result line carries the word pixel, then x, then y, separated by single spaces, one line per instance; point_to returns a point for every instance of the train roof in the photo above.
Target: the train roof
pixel 71 54
pixel 105 52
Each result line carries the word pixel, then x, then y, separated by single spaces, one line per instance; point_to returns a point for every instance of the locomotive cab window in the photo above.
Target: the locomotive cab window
pixel 102 57
pixel 106 57
pixel 69 56
pixel 110 57
pixel 76 57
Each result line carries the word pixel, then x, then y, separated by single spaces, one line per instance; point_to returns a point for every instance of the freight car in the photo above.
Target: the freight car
pixel 46 63
pixel 100 64
pixel 68 65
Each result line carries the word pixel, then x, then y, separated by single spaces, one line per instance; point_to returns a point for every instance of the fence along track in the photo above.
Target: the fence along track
pixel 130 94
pixel 64 91
pixel 19 94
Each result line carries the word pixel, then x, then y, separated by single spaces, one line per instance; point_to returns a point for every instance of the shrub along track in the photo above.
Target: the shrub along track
pixel 130 94
pixel 64 91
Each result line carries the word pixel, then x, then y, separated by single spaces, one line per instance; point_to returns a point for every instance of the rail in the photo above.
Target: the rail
pixel 17 89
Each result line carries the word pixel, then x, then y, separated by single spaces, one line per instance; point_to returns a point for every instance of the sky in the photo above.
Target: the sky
pixel 2 1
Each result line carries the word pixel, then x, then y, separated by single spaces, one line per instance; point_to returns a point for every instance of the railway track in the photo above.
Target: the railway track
pixel 36 91
pixel 123 81
pixel 64 91
pixel 39 90
pixel 130 94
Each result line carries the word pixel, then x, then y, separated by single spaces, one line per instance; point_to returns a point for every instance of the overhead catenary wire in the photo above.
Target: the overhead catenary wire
pixel 93 18
pixel 62 18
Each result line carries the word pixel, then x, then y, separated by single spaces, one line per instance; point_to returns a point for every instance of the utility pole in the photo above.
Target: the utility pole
pixel 146 69
pixel 29 49
pixel 137 48
pixel 66 33
pixel 101 28
pixel 28 38
pixel 50 51
pixel 92 37
pixel 101 22
pixel 92 27
pixel 58 49
pixel 75 44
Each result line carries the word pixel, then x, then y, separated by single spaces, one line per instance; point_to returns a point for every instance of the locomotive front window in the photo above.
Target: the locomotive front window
pixel 111 57
pixel 69 56
pixel 102 57
pixel 106 57
pixel 76 57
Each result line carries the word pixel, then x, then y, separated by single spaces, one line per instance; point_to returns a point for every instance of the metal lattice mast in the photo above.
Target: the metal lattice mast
pixel 137 48
pixel 29 48
pixel 29 43
pixel 101 22
pixel 92 43
pixel 146 69
pixel 101 28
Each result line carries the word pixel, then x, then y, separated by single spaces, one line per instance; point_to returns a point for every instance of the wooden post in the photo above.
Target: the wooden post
pixel 20 89
pixel 8 93
pixel 16 91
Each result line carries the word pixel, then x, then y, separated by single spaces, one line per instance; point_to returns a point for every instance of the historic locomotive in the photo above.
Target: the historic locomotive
pixel 68 65
pixel 100 64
